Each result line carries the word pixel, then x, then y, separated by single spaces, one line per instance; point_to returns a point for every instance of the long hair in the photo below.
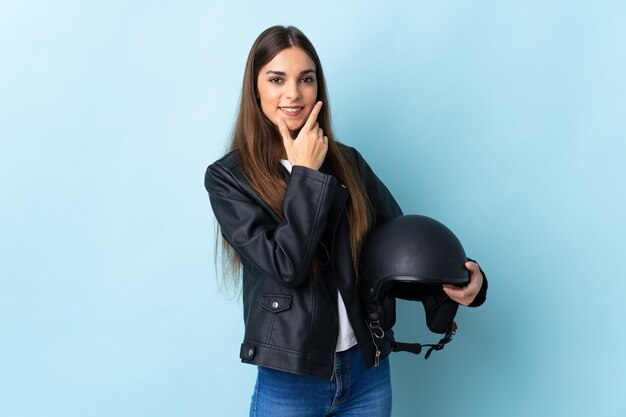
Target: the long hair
pixel 260 145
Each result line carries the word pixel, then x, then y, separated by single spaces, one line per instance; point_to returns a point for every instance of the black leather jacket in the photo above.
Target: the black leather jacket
pixel 291 322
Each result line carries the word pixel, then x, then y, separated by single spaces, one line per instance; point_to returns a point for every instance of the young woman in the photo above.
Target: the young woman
pixel 294 207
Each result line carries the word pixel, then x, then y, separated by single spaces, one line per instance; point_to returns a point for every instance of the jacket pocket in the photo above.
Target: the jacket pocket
pixel 276 303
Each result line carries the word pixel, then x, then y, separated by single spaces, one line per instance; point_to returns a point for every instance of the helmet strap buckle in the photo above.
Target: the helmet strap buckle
pixel 416 348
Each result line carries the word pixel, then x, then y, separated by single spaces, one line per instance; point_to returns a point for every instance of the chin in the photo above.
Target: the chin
pixel 295 127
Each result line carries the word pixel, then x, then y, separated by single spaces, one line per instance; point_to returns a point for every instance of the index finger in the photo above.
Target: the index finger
pixel 313 116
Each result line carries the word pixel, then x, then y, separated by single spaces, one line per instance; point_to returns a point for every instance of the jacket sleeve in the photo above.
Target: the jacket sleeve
pixel 282 249
pixel 383 204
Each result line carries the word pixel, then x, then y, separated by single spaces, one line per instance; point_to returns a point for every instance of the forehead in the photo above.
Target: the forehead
pixel 290 59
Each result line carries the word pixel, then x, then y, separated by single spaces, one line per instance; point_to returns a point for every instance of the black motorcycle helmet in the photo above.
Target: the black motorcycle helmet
pixel 410 257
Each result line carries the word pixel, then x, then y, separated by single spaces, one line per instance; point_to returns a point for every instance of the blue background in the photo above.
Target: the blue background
pixel 504 120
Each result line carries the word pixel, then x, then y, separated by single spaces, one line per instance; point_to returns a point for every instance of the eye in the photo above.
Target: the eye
pixel 275 80
pixel 308 80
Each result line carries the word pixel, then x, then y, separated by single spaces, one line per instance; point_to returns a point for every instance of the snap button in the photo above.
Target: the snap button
pixel 251 352
pixel 275 304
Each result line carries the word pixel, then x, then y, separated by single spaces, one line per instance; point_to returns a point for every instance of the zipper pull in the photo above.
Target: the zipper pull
pixel 377 358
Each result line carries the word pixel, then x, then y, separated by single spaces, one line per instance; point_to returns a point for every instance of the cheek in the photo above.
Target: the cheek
pixel 313 94
pixel 268 100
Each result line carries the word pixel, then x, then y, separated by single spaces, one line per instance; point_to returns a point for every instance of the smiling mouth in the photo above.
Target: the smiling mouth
pixel 291 111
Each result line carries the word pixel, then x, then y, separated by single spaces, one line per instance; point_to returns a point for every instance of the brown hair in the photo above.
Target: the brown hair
pixel 259 143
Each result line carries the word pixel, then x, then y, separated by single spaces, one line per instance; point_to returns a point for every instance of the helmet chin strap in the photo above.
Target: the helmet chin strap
pixel 416 348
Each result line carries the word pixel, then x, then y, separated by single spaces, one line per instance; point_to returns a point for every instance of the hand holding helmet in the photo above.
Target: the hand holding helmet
pixel 466 294
pixel 417 258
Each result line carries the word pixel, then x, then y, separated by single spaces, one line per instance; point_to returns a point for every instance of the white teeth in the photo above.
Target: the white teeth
pixel 288 110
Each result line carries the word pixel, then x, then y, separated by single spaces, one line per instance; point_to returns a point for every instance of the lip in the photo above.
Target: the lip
pixel 291 113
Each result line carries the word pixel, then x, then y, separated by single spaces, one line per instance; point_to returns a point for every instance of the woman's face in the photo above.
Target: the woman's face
pixel 287 87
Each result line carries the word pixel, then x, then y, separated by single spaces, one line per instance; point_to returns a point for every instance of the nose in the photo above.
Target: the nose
pixel 292 91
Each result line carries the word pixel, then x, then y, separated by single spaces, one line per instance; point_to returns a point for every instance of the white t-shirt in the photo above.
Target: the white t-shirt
pixel 346 338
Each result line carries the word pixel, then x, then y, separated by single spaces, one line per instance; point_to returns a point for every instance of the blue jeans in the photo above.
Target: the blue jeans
pixel 354 391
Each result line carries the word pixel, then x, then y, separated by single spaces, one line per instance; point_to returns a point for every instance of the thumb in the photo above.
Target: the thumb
pixel 284 130
pixel 472 266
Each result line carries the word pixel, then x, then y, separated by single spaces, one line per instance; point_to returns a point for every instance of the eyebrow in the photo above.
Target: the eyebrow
pixel 306 71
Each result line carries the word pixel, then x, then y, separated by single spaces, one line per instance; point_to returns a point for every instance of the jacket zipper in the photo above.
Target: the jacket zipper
pixel 335 289
pixel 374 337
